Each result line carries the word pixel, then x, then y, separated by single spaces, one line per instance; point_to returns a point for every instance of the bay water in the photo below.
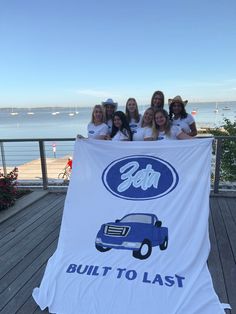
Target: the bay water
pixel 65 122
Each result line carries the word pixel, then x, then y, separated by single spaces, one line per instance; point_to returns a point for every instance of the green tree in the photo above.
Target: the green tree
pixel 228 158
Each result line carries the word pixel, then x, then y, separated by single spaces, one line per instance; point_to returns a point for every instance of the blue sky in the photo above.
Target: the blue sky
pixel 73 52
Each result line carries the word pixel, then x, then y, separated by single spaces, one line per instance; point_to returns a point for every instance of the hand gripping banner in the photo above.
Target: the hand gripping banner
pixel 134 233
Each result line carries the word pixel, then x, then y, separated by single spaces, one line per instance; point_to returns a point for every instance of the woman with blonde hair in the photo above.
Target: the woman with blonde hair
pixel 132 114
pixel 97 129
pixel 163 128
pixel 144 133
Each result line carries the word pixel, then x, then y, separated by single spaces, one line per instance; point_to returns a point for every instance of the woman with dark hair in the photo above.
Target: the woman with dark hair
pixel 120 128
pixel 163 129
pixel 144 133
pixel 180 117
pixel 132 114
pixel 158 100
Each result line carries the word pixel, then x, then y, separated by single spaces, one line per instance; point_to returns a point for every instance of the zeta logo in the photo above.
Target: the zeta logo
pixel 140 177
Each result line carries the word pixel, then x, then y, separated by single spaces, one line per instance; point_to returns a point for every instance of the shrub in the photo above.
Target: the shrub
pixel 8 190
pixel 228 157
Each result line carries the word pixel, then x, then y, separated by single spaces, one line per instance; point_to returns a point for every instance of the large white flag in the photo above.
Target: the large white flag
pixel 134 234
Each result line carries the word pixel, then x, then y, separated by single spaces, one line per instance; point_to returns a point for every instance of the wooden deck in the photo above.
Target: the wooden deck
pixel 30 237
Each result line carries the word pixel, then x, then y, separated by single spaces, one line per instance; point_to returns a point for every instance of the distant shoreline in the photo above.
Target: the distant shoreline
pixel 226 102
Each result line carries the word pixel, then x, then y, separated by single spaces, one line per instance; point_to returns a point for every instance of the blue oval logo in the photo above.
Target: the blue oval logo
pixel 140 177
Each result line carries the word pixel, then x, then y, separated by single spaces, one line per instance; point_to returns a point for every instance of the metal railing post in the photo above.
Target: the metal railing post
pixel 217 165
pixel 43 164
pixel 3 159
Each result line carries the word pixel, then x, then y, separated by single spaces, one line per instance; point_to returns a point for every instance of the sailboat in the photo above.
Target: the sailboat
pixel 13 113
pixel 73 112
pixel 226 108
pixel 54 113
pixel 30 113
pixel 216 110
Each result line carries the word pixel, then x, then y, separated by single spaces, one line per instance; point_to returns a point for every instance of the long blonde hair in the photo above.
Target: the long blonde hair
pixel 100 108
pixel 148 109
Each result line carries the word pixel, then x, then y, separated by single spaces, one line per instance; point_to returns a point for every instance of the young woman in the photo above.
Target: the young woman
pixel 180 117
pixel 144 133
pixel 97 129
pixel 158 100
pixel 132 114
pixel 163 129
pixel 120 128
pixel 109 107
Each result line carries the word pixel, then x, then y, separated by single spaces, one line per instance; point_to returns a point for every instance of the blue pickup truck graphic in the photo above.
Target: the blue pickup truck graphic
pixel 137 232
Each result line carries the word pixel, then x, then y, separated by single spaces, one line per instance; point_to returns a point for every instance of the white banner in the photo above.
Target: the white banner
pixel 134 234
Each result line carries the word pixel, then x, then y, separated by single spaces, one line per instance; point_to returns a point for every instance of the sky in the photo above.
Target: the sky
pixel 74 52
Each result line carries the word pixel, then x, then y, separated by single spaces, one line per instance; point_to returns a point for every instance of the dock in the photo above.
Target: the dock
pixel 29 238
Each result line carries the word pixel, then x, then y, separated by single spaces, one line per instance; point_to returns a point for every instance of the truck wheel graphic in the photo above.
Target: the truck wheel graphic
pixel 144 251
pixel 164 245
pixel 101 248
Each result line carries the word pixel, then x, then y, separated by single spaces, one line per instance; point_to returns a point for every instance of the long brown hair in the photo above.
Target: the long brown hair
pixel 161 95
pixel 136 113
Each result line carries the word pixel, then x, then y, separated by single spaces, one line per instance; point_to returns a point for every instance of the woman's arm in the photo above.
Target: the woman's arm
pixel 193 129
pixel 148 138
pixel 184 136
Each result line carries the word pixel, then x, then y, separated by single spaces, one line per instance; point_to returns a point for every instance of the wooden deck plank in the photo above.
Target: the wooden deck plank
pixel 10 276
pixel 214 263
pixel 232 207
pixel 18 252
pixel 28 226
pixel 10 294
pixel 229 222
pixel 10 224
pixel 25 267
pixel 225 253
pixel 23 294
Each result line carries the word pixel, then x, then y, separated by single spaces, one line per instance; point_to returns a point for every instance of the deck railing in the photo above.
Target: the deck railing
pixel 40 161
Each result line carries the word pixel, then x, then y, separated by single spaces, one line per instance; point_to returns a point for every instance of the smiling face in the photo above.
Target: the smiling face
pixel 177 108
pixel 160 120
pixel 148 117
pixel 131 106
pixel 157 101
pixel 117 122
pixel 97 114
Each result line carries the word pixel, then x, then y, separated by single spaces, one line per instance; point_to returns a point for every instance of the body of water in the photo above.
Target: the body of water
pixel 44 123
pixel 65 123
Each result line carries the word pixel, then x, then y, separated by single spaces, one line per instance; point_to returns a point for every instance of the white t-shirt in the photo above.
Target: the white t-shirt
pixel 95 131
pixel 121 136
pixel 174 132
pixel 142 133
pixel 134 125
pixel 184 123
